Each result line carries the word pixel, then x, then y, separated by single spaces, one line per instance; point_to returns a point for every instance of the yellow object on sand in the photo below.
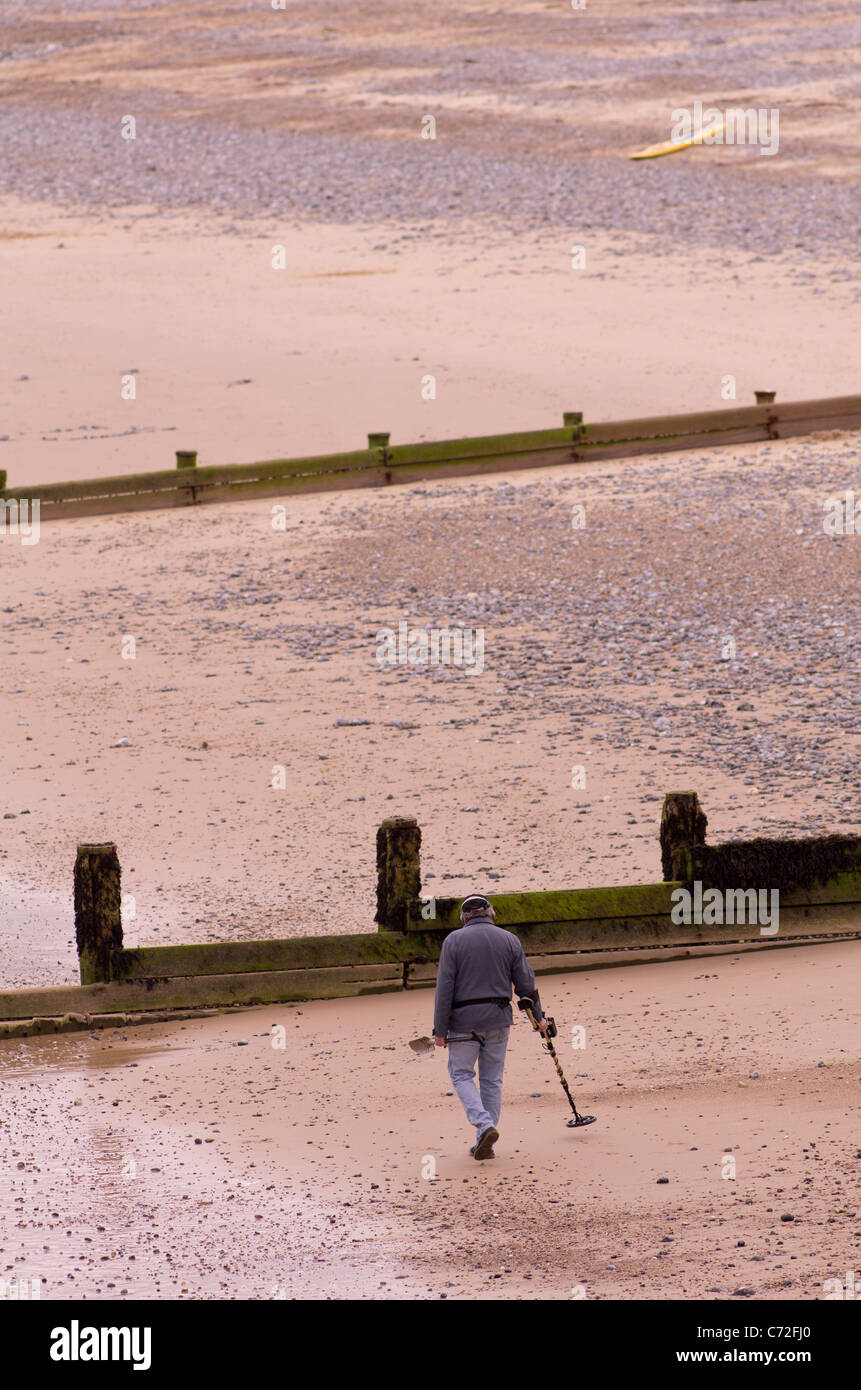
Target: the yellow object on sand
pixel 670 146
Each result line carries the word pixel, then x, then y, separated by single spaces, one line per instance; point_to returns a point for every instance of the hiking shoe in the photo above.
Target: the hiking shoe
pixel 490 1155
pixel 486 1141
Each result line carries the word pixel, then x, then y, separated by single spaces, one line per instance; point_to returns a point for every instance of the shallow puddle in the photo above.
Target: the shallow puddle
pixel 67 1053
pixel 37 938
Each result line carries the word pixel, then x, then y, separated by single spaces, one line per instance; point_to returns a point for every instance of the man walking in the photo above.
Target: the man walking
pixel 472 1012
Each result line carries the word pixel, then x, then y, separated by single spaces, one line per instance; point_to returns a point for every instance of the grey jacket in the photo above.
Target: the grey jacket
pixel 479 961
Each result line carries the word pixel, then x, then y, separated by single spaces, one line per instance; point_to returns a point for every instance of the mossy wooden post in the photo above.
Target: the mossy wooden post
pixel 186 458
pixel 767 398
pixel 573 420
pixel 398 870
pixel 98 924
pixel 379 444
pixel 683 823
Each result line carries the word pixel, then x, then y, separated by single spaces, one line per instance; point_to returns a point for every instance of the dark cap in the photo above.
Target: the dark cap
pixel 474 903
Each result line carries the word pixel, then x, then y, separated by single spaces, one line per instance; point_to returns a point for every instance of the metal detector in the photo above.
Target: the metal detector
pixel 578 1120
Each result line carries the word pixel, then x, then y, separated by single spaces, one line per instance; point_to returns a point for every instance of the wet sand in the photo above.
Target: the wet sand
pixel 606 648
pixel 200 1161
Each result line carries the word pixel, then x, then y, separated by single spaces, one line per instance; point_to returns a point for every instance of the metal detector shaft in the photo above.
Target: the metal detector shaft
pixel 579 1119
pixel 552 1050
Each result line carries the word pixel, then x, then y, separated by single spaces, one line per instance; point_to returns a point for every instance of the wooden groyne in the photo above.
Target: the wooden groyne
pixel 818 881
pixel 382 464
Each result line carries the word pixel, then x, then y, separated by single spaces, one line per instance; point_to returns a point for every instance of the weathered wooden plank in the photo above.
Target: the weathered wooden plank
pixel 491 463
pixel 842 888
pixel 821 408
pixel 791 429
pixel 662 426
pixel 421 976
pixel 173 479
pixel 107 506
pixel 806 869
pixel 648 955
pixel 591 452
pixel 351 462
pixel 566 905
pixel 112 506
pixel 93 488
pixel 190 496
pixel 843 918
pixel 202 991
pixel 290 485
pixel 481 446
pixel 78 1023
pixel 306 952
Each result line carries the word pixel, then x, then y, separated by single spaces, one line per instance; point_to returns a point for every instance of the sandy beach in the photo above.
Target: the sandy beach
pixel 203 688
pixel 200 1161
pixel 242 361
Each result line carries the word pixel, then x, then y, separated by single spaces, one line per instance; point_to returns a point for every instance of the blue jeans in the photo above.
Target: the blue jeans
pixel 482 1103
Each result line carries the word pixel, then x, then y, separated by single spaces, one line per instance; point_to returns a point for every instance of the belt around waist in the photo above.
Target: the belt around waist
pixel 486 999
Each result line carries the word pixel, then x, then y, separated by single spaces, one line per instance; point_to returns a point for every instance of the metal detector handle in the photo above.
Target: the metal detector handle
pixel 527 1003
pixel 550 1031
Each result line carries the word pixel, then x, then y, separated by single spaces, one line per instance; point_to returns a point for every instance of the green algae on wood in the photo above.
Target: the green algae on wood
pixel 98 926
